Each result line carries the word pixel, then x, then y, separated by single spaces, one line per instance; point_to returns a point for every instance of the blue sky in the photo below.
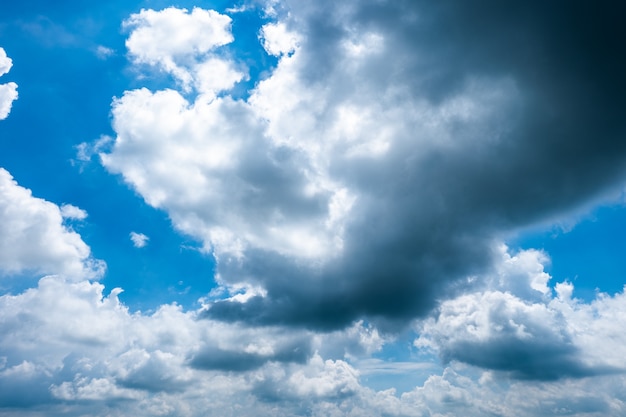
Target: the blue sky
pixel 283 208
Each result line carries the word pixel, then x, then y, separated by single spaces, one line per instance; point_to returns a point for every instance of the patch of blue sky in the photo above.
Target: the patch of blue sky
pixel 591 254
pixel 398 365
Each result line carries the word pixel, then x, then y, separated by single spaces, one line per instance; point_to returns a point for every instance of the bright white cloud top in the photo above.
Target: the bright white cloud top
pixel 8 91
pixel 357 196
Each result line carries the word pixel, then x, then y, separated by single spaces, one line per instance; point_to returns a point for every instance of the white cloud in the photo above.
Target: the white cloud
pixel 160 37
pixel 139 239
pixel 277 40
pixel 5 62
pixel 8 91
pixel 86 150
pixel 182 44
pixel 69 211
pixel 33 237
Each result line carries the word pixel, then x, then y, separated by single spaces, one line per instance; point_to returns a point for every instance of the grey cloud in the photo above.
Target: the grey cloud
pixel 533 360
pixel 215 358
pixel 19 392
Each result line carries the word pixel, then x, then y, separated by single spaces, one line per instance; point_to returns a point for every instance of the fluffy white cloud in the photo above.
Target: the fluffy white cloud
pixel 33 237
pixel 8 91
pixel 277 40
pixel 183 44
pixel 69 211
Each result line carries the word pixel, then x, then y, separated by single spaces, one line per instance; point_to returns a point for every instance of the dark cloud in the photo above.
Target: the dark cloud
pixel 522 359
pixel 427 216
pixel 214 358
pixel 17 391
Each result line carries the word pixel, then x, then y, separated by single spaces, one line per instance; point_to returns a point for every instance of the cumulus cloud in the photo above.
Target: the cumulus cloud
pixel 383 159
pixel 508 329
pixel 182 44
pixel 8 91
pixel 34 238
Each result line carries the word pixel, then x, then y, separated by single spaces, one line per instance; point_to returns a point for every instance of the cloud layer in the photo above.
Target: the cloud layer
pixel 84 352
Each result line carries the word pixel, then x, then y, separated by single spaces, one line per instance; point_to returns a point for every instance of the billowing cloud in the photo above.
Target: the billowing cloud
pixel 384 157
pixel 518 328
pixel 34 238
pixel 8 91
pixel 181 43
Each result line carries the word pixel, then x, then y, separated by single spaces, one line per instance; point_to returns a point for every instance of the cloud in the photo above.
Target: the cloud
pixel 34 239
pixel 183 44
pixel 81 344
pixel 5 62
pixel 383 159
pixel 277 40
pixel 364 185
pixel 71 212
pixel 8 91
pixel 507 329
pixel 139 239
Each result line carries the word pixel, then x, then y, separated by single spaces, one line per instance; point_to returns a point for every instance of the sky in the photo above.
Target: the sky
pixel 289 208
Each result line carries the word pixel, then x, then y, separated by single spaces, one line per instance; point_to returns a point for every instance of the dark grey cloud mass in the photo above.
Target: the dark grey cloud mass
pixel 428 216
pixel 213 358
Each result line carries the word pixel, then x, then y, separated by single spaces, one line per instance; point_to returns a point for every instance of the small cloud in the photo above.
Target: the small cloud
pixel 103 52
pixel 239 9
pixel 86 150
pixel 139 239
pixel 69 211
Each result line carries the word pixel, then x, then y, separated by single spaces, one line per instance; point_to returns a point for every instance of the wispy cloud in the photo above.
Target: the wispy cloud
pixel 139 239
